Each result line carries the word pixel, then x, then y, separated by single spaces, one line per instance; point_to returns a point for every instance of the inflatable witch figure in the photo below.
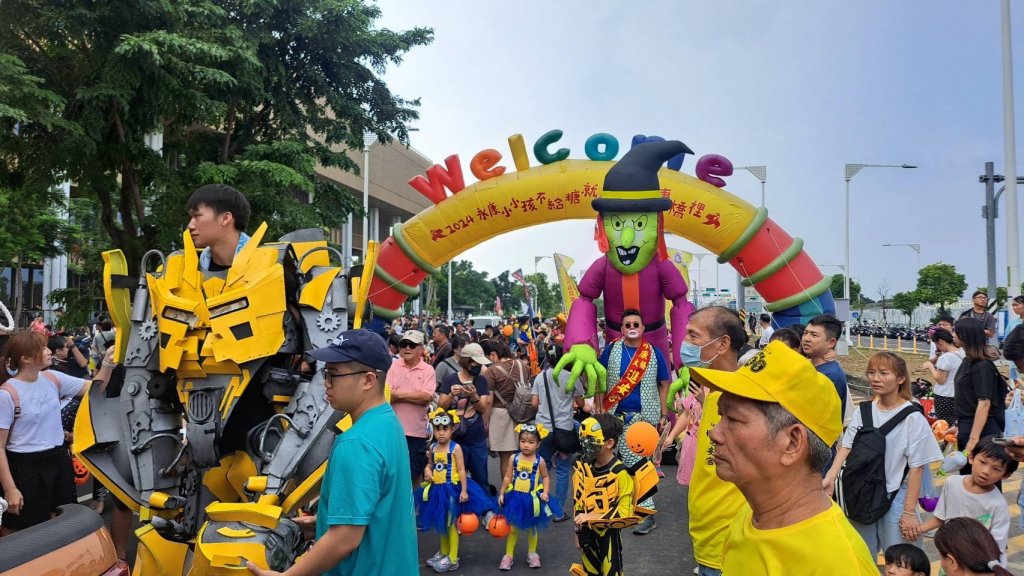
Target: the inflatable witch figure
pixel 635 272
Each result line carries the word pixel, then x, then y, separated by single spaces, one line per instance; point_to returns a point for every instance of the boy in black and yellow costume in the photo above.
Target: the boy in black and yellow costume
pixel 606 493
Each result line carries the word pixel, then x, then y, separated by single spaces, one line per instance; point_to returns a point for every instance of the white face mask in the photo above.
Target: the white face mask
pixel 632 334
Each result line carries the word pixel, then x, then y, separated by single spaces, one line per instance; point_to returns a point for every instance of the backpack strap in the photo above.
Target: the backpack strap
pixel 867 422
pixel 53 380
pixel 9 388
pixel 899 417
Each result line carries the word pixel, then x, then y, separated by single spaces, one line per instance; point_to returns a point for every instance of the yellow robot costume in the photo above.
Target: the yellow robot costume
pixel 216 357
pixel 610 491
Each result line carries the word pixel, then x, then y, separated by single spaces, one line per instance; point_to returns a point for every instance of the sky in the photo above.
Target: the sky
pixel 802 87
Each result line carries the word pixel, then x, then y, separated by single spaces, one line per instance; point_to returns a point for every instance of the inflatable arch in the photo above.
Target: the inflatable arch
pixel 768 258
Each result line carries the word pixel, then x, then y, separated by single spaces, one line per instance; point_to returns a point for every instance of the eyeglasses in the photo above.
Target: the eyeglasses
pixel 329 377
pixel 407 344
pixel 631 325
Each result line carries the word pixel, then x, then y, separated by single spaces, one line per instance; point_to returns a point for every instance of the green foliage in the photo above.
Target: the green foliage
pixel 940 284
pixel 906 302
pixel 255 94
pixel 857 298
pixel 504 286
pixel 469 288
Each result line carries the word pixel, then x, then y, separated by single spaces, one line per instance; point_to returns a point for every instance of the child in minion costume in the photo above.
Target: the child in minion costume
pixel 447 492
pixel 524 494
pixel 634 272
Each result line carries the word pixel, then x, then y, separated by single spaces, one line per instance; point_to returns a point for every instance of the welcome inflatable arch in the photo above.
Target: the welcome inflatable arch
pixel 767 257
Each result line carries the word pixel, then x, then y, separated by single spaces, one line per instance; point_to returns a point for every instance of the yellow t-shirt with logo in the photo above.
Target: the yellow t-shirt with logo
pixel 713 503
pixel 823 545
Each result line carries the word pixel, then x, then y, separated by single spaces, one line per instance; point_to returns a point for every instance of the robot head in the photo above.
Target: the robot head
pixel 591 439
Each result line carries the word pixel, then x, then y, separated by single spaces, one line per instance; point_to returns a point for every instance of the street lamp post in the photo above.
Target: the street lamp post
pixel 368 139
pixel 915 247
pixel 850 172
pixel 537 259
pixel 761 173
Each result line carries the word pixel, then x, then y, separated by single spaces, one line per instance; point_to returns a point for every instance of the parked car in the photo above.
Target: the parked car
pixel 481 322
pixel 73 542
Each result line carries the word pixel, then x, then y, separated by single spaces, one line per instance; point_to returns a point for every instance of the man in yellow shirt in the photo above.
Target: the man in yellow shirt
pixel 714 337
pixel 778 417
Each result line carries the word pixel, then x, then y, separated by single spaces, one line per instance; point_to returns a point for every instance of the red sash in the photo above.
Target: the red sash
pixel 634 373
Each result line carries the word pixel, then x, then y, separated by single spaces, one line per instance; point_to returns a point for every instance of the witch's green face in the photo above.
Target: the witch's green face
pixel 632 239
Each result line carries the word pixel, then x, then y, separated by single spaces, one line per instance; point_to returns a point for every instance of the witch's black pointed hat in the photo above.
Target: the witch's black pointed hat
pixel 632 184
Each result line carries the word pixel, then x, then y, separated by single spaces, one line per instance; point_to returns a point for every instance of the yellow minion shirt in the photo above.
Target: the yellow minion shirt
pixel 713 503
pixel 823 545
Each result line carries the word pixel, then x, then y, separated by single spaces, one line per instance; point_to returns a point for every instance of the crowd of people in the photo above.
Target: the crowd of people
pixel 765 424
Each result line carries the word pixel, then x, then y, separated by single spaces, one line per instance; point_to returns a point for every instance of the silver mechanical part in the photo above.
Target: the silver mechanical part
pixel 148 330
pixel 328 321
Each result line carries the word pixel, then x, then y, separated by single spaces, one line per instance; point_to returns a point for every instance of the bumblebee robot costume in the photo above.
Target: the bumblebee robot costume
pixel 610 493
pixel 217 434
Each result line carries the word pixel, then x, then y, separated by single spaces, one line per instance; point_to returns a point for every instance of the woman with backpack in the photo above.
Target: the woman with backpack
pixel 35 469
pixel 979 389
pixel 505 377
pixel 908 447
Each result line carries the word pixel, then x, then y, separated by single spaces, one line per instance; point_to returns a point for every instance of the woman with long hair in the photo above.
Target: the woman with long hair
pixel 979 389
pixel 968 548
pixel 35 469
pixel 909 448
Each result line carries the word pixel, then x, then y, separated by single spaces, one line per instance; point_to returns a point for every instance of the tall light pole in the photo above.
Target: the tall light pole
pixel 915 248
pixel 451 316
pixel 368 139
pixel 851 171
pixel 700 264
pixel 1010 161
pixel 761 173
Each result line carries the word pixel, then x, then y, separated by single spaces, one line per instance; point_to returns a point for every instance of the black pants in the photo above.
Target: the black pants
pixel 45 479
pixel 602 552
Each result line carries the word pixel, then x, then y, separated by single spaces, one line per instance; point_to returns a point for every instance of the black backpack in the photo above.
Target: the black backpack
pixel 860 486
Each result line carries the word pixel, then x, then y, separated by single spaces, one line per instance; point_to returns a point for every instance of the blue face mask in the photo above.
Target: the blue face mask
pixel 690 354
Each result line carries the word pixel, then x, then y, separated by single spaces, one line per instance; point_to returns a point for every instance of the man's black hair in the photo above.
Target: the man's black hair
pixel 765 317
pixel 976 292
pixel 992 450
pixel 833 326
pixel 222 198
pixel 946 318
pixel 630 312
pixel 444 330
pixel 943 335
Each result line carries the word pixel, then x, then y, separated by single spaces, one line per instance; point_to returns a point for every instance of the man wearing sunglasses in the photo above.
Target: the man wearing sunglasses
pixel 638 380
pixel 413 383
pixel 364 522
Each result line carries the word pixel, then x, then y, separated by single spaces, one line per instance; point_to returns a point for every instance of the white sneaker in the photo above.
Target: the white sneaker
pixel 445 565
pixel 433 559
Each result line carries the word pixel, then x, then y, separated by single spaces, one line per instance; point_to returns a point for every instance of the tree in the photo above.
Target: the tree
pixel 503 288
pixel 883 293
pixel 857 298
pixel 254 94
pixel 940 284
pixel 906 302
pixel 469 287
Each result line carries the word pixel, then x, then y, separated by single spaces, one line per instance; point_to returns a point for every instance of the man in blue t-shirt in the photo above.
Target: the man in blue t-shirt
pixel 364 522
pixel 646 400
pixel 818 345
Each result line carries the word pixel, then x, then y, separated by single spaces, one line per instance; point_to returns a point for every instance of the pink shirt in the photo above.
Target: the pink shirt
pixel 419 378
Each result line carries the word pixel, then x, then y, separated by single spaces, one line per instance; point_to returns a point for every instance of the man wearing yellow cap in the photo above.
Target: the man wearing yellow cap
pixel 778 418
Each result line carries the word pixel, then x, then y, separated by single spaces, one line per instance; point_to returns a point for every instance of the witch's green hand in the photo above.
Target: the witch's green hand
pixel 680 384
pixel 583 359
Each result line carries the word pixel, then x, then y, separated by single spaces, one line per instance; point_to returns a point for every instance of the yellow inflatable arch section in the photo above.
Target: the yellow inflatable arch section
pixel 738 232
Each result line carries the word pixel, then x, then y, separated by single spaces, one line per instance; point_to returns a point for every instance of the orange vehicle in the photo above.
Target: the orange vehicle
pixel 75 542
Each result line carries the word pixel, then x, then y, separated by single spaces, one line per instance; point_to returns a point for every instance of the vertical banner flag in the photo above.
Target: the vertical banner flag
pixel 497 306
pixel 570 292
pixel 681 259
pixel 518 275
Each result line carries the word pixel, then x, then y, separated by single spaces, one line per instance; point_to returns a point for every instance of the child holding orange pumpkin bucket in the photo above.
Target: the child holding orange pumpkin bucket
pixel 447 501
pixel 524 495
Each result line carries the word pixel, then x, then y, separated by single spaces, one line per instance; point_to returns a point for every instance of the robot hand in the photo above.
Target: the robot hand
pixel 583 359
